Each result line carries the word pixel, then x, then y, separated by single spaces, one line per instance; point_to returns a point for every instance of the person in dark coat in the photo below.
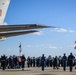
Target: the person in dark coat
pixel 3 59
pixel 10 62
pixel 50 61
pixel 33 61
pixel 23 59
pixel 64 59
pixel 28 61
pixel 70 61
pixel 43 62
pixel 55 63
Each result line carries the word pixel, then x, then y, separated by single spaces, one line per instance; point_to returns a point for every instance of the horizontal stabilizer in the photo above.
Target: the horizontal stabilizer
pixel 9 34
pixel 4 28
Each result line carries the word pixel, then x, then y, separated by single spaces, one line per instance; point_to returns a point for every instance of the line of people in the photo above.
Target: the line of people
pixel 12 62
pixel 55 62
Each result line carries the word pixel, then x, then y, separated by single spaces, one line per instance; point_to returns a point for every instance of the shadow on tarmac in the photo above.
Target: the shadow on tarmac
pixel 15 70
pixel 45 74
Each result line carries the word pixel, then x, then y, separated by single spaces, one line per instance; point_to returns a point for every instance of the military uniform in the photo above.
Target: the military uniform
pixel 70 61
pixel 3 60
pixel 43 62
pixel 64 59
pixel 23 61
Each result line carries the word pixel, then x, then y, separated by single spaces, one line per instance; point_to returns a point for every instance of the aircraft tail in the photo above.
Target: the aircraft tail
pixel 3 9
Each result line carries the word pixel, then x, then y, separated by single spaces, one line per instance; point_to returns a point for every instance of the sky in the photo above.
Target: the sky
pixel 49 41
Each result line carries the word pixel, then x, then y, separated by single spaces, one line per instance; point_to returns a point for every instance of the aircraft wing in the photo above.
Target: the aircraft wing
pixel 9 34
pixel 4 28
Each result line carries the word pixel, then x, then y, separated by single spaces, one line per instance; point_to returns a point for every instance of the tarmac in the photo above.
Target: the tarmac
pixel 37 71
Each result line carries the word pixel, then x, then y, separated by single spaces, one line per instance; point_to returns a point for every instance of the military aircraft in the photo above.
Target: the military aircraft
pixel 15 30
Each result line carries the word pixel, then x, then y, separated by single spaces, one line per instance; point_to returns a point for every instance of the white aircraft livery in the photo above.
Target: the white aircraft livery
pixel 15 30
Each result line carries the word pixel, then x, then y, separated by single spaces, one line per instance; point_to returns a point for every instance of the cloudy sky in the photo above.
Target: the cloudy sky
pixel 51 41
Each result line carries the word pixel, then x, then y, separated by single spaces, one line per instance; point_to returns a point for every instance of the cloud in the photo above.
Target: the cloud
pixel 52 47
pixel 71 31
pixel 35 46
pixel 62 30
pixel 5 23
pixel 59 47
pixel 29 46
pixel 38 33
pixel 44 45
pixel 9 49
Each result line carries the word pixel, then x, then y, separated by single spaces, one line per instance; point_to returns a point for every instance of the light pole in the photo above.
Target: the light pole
pixel 20 49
